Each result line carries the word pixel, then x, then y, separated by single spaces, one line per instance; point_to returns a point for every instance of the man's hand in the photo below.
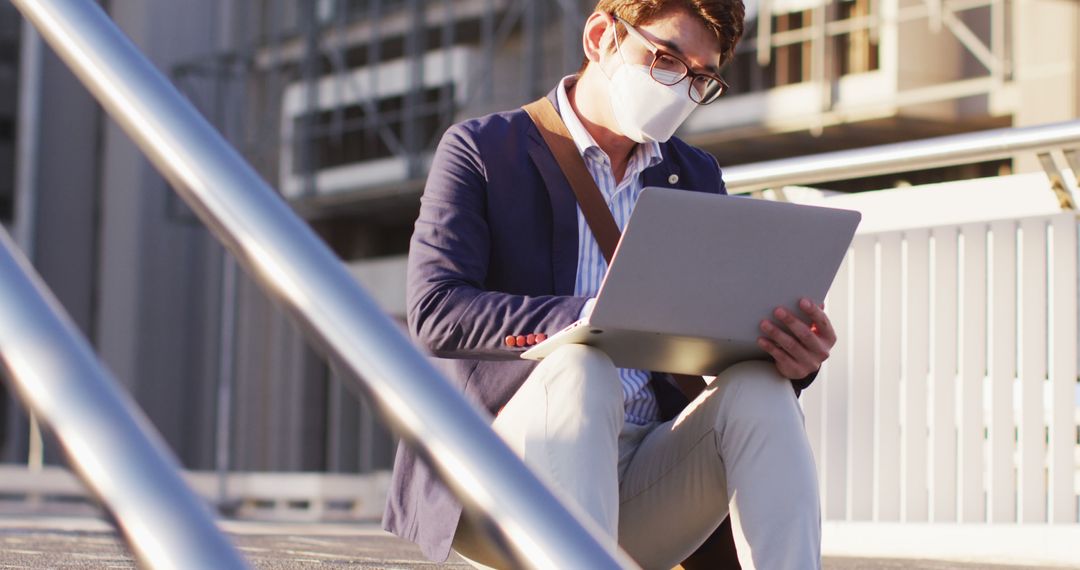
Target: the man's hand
pixel 801 348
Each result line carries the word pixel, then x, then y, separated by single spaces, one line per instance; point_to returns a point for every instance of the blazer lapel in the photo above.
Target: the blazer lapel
pixel 666 174
pixel 564 238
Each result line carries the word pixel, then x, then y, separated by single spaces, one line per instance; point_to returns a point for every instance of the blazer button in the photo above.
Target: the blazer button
pixel 673 179
pixel 510 341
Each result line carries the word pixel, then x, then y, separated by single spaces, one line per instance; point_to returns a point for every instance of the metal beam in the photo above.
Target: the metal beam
pixel 902 157
pixel 572 23
pixel 1072 157
pixel 999 39
pixel 936 15
pixel 309 75
pixel 415 46
pixel 534 55
pixel 1057 181
pixel 973 43
pixel 108 442
pixel 27 143
pixel 395 21
pixel 28 130
pixel 297 270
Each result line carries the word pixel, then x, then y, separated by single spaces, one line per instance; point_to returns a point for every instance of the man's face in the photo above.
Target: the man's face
pixel 677 33
pixel 645 84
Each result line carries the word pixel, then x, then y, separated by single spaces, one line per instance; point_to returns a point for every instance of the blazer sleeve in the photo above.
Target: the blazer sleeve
pixel 449 311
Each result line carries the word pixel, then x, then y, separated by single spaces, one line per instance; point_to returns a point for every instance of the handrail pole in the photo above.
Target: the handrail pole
pixel 108 441
pixel 301 273
pixel 902 157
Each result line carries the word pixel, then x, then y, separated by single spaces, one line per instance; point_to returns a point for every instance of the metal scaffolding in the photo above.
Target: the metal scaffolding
pixel 334 83
pixel 822 40
pixel 349 97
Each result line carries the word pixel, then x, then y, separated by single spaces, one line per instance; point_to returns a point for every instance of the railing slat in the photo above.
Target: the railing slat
pixel 837 379
pixel 917 342
pixel 1032 443
pixel 943 478
pixel 1002 373
pixel 984 313
pixel 887 398
pixel 970 480
pixel 1063 372
pixel 861 409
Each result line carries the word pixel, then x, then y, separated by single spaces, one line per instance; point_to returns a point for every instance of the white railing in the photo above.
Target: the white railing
pixel 252 495
pixel 952 394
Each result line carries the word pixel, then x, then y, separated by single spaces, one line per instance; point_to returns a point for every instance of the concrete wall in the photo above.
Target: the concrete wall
pixel 137 276
pixel 1046 50
pixel 1047 54
pixel 157 292
pixel 160 298
pixel 63 231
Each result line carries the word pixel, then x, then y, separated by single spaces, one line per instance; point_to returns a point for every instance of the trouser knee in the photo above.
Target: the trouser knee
pixel 583 375
pixel 758 393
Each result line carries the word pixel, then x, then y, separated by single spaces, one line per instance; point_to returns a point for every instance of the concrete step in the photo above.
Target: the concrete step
pixel 80 542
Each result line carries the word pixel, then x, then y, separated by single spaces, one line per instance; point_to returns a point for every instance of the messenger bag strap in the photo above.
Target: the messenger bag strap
pixel 597 215
pixel 562 146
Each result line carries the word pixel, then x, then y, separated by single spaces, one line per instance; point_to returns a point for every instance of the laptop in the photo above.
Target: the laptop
pixel 694 274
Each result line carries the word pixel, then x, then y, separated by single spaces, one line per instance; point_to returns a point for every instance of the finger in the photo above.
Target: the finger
pixel 782 359
pixel 820 319
pixel 812 342
pixel 785 364
pixel 803 358
pixel 787 342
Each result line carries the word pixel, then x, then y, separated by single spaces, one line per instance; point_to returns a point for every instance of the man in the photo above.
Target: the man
pixel 502 257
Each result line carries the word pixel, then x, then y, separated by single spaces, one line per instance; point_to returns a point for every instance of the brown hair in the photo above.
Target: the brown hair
pixel 723 17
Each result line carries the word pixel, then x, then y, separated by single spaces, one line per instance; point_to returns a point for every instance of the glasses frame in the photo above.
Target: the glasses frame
pixel 657 52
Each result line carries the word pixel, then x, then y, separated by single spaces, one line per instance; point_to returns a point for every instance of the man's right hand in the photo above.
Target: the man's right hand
pixel 800 349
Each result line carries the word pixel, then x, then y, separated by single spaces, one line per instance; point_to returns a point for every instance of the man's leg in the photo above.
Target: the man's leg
pixel 564 423
pixel 743 438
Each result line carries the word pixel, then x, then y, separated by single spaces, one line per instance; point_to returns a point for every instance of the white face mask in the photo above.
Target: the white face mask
pixel 646 110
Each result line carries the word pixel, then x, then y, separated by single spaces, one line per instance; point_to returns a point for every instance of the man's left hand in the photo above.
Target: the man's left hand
pixel 797 347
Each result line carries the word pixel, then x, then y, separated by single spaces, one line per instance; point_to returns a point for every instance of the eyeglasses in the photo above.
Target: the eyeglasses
pixel 668 69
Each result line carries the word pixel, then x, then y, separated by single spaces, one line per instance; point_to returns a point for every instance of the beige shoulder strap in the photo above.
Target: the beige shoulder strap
pixel 561 144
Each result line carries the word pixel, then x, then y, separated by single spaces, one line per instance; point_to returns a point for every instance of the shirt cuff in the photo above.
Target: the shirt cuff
pixel 586 309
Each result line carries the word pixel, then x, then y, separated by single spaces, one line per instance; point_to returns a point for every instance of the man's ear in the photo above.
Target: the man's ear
pixel 593 39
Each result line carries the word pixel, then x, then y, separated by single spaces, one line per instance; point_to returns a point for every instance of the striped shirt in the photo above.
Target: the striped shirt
pixel 638 398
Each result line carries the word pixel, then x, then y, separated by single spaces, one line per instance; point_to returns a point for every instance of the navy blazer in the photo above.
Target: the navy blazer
pixel 493 254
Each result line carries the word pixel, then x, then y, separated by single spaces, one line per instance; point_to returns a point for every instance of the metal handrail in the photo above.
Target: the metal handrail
pixel 301 273
pixel 902 157
pixel 108 442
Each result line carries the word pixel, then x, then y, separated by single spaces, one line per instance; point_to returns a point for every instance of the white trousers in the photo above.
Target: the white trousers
pixel 661 490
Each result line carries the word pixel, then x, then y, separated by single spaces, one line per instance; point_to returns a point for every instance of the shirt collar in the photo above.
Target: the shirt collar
pixel 647 155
